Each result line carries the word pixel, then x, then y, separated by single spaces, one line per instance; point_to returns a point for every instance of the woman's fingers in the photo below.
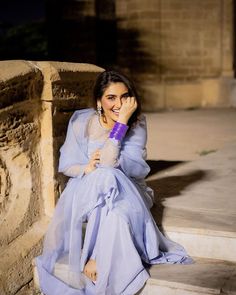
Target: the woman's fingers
pixel 96 155
pixel 93 276
pixel 95 161
pixel 131 103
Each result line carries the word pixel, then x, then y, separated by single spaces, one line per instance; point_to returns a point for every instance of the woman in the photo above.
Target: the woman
pixel 104 155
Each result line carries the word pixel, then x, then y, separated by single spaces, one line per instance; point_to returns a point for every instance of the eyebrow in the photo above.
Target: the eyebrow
pixel 116 95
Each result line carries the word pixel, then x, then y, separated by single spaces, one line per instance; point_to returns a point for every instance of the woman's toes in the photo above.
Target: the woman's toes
pixel 94 276
pixel 90 270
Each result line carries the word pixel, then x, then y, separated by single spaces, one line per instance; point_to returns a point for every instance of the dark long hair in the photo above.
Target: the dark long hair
pixel 105 79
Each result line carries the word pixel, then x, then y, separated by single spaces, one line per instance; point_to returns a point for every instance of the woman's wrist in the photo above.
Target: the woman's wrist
pixel 123 120
pixel 118 131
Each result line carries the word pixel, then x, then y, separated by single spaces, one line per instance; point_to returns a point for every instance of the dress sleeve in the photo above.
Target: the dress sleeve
pixel 110 152
pixel 133 154
pixel 71 162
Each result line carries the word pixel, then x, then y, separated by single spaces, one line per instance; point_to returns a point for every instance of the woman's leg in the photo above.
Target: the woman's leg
pixel 88 259
pixel 119 266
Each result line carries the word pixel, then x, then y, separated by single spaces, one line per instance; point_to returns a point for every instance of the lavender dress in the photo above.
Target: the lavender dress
pixel 114 202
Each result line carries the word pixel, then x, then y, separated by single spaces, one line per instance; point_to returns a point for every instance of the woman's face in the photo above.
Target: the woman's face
pixel 112 100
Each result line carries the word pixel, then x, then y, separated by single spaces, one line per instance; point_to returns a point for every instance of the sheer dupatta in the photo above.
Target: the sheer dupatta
pixel 64 236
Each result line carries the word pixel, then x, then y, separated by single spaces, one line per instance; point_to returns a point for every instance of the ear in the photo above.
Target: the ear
pixel 99 104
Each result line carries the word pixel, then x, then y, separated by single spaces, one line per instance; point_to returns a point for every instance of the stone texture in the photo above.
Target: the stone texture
pixel 193 166
pixel 67 87
pixel 19 81
pixel 185 135
pixel 195 202
pixel 203 277
pixel 179 46
pixel 20 171
pixel 16 268
pixel 37 100
pixel 198 208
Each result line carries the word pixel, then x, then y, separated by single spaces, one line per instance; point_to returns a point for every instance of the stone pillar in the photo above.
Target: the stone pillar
pixel 227 38
pixel 21 199
pixel 67 87
pixel 37 100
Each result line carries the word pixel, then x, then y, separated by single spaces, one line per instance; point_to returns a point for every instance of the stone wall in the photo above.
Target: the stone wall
pixel 180 52
pixel 37 99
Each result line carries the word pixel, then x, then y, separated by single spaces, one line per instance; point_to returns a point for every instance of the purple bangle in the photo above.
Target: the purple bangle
pixel 114 129
pixel 118 131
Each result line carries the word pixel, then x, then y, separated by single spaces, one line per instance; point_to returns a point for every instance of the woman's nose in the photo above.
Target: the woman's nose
pixel 118 103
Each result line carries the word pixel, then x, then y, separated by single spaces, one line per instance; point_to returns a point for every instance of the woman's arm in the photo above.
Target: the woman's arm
pixel 130 153
pixel 73 161
pixel 132 159
pixel 109 153
pixel 111 149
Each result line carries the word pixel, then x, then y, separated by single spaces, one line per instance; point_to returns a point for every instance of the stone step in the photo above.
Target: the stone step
pixel 205 276
pixel 201 236
pixel 196 204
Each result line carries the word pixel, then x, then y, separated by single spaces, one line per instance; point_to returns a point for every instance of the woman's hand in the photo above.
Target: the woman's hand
pixel 127 109
pixel 95 159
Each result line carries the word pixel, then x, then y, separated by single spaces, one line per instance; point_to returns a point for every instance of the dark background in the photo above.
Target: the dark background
pixel 61 30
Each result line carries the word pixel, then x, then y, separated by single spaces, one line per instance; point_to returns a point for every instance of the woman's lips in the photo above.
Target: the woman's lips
pixel 116 112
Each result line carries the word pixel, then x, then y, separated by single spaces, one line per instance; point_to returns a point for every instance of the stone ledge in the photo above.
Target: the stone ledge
pixel 196 205
pixel 205 245
pixel 10 69
pixel 64 80
pixel 61 67
pixel 205 276
pixel 19 81
pixel 26 80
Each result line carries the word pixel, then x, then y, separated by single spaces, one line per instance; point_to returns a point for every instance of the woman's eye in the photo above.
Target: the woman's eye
pixel 111 97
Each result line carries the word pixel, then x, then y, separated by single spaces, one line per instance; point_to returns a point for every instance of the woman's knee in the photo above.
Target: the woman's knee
pixel 105 172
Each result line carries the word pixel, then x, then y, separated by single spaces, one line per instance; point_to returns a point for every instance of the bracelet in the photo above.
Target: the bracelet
pixel 118 131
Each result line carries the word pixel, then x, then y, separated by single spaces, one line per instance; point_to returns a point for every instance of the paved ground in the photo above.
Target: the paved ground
pixel 193 160
pixel 186 135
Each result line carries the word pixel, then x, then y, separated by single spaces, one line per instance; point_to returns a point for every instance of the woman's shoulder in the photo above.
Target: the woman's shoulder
pixel 142 118
pixel 140 123
pixel 82 114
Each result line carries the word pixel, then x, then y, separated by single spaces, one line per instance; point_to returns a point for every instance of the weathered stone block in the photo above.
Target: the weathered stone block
pixel 33 125
pixel 20 167
pixel 19 81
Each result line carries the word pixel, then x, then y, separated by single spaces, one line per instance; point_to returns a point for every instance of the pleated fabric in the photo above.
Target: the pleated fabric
pixel 114 202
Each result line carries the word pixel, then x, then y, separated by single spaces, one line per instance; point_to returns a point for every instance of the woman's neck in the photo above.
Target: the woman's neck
pixel 109 124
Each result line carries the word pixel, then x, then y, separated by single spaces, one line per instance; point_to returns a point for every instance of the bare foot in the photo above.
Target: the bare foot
pixel 90 270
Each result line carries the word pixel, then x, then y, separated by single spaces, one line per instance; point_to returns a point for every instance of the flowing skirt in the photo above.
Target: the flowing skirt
pixel 120 235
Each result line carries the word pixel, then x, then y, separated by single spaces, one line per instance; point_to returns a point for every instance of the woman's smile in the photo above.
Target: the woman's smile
pixel 116 112
pixel 112 100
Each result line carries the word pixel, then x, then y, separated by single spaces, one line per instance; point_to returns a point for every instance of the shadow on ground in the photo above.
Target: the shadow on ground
pixel 158 166
pixel 169 186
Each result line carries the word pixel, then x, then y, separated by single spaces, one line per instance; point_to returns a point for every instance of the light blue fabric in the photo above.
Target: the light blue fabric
pixel 121 233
